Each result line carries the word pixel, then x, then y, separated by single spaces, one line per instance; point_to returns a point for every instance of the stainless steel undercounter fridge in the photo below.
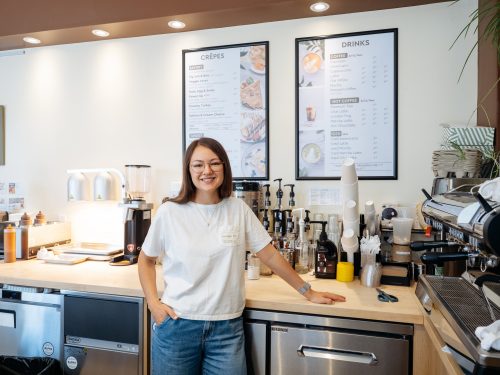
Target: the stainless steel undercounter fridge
pixel 287 343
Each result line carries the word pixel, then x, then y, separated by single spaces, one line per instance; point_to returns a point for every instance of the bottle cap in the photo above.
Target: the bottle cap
pixel 40 218
pixel 26 220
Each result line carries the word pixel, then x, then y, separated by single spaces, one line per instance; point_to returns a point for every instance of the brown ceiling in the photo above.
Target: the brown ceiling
pixel 64 21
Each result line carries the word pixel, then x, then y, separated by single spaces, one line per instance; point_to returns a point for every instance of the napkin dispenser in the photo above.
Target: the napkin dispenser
pixel 32 238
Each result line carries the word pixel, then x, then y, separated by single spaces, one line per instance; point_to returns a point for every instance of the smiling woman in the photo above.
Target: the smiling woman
pixel 202 236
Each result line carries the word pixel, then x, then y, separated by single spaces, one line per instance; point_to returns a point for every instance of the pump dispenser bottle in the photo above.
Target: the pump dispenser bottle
pixel 277 237
pixel 265 219
pixel 291 200
pixel 267 196
pixel 302 246
pixel 326 257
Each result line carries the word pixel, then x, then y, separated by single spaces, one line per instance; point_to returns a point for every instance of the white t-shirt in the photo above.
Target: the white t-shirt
pixel 203 248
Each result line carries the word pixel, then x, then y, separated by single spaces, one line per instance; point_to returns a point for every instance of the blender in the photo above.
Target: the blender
pixel 138 212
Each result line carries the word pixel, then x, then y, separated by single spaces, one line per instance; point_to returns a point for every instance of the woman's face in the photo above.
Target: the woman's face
pixel 206 169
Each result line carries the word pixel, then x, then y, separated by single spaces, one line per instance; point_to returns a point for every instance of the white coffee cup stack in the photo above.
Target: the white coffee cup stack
pixel 350 244
pixel 349 188
pixel 351 216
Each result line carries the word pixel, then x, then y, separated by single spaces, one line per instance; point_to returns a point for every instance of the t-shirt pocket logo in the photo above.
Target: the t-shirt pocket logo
pixel 229 235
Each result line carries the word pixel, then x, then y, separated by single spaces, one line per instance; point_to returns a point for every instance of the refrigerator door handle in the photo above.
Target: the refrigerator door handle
pixel 337 354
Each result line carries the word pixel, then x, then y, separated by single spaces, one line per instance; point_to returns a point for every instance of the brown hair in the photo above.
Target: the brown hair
pixel 188 189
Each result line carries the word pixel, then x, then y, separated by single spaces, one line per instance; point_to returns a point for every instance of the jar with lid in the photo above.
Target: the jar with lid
pixel 253 272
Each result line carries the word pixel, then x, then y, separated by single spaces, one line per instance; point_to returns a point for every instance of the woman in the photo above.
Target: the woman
pixel 202 235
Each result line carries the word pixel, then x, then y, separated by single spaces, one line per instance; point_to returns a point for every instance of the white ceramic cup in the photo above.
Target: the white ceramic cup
pixel 348 172
pixel 350 211
pixel 401 227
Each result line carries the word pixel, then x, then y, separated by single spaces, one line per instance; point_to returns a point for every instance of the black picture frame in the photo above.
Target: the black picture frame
pixel 252 124
pixel 311 154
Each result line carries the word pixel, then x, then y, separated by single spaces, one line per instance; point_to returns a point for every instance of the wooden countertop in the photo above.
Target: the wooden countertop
pixel 89 276
pixel 273 293
pixel 269 293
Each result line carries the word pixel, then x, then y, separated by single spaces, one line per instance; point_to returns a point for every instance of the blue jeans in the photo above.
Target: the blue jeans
pixel 190 347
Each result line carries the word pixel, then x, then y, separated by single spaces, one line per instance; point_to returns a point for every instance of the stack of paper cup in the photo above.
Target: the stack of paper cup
pixel 370 218
pixel 349 188
pixel 351 216
pixel 350 243
pixel 349 181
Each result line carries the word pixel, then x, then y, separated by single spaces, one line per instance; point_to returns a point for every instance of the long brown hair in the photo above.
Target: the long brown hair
pixel 188 190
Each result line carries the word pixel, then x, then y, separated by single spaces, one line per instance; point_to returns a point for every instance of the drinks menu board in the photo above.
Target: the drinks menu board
pixel 346 90
pixel 225 97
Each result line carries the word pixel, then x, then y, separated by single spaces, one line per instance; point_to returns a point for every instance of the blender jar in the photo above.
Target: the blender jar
pixel 138 180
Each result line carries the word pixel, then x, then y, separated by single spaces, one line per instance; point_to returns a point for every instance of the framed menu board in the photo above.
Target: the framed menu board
pixel 346 94
pixel 225 97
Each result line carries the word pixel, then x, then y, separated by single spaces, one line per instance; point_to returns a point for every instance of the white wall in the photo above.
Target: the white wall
pixel 109 103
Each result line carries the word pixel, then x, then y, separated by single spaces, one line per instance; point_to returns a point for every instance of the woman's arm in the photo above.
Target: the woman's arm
pixel 270 256
pixel 147 276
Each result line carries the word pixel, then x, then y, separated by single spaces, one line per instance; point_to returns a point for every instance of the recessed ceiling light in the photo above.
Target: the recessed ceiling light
pixel 175 24
pixel 31 40
pixel 319 7
pixel 100 33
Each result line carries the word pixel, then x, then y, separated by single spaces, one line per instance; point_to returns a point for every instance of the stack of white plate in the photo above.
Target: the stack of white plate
pixel 466 163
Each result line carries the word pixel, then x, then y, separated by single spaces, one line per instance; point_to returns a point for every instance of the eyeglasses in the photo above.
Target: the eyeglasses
pixel 199 166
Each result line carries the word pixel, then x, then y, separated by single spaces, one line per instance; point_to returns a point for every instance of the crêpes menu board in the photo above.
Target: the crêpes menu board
pixel 346 93
pixel 225 97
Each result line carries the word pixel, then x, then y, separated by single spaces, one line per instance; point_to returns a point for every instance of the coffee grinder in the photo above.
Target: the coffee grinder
pixel 137 214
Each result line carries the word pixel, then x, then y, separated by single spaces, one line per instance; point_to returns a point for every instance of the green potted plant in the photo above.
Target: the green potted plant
pixel 489 15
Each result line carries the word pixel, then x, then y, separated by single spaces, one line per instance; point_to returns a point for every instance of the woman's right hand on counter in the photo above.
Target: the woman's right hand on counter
pixel 323 297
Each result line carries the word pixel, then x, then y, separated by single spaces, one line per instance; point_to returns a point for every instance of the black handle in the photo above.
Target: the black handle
pixel 426 245
pixel 427 195
pixel 483 278
pixel 434 258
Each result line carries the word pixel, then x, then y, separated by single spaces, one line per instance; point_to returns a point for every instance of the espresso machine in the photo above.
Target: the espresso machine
pixel 137 213
pixel 468 233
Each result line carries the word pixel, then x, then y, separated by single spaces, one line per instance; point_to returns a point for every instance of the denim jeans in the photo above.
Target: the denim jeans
pixel 190 347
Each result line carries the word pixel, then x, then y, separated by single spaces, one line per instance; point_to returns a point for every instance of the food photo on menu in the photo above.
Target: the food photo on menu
pixel 311 151
pixel 311 63
pixel 253 121
pixel 311 111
